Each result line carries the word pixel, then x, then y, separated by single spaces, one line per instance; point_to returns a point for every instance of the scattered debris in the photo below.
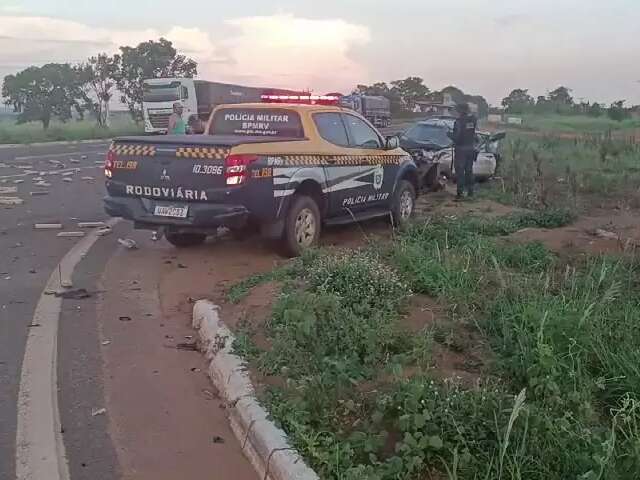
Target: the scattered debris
pixel 47 226
pixel 99 162
pixel 180 265
pixel 91 224
pixel 167 262
pixel 33 270
pixel 67 174
pixel 191 300
pixel 70 234
pixel 101 232
pixel 106 342
pixel 128 243
pixel 42 184
pixel 18 182
pixel 188 337
pixel 195 369
pixel 67 179
pixel 83 157
pixel 37 179
pixel 88 179
pixel 8 189
pixel 56 162
pixel 155 236
pixel 124 319
pixel 74 160
pixel 3 165
pixel 98 411
pixel 209 395
pixel 606 234
pixel 11 201
pixel 191 346
pixel 23 167
pixel 39 193
pixel 75 294
pixel 217 439
pixel 30 172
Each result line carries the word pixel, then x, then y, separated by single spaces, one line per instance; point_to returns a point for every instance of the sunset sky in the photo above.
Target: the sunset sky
pixel 485 47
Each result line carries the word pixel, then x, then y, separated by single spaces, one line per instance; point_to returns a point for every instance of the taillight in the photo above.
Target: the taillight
pixel 236 168
pixel 109 163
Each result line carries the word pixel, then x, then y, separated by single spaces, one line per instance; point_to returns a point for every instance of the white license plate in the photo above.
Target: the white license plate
pixel 171 211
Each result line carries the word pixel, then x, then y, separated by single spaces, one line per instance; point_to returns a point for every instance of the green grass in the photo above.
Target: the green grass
pixel 578 124
pixel 562 397
pixel 33 132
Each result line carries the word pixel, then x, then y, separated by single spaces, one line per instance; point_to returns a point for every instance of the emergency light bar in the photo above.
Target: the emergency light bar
pixel 303 99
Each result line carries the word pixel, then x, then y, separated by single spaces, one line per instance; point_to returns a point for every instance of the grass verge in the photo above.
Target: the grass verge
pixel 358 395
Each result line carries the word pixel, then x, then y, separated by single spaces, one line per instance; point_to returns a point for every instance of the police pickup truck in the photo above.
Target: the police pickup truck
pixel 287 165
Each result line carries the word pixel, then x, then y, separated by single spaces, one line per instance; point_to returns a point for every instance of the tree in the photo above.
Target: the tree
pixel 41 93
pixel 561 99
pixel 98 73
pixel 148 60
pixel 518 101
pixel 410 90
pixel 595 110
pixel 617 111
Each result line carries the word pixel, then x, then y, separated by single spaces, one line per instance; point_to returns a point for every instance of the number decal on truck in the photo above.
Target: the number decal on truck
pixel 207 169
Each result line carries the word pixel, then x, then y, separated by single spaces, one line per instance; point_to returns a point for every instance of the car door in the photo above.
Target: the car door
pixel 377 169
pixel 341 173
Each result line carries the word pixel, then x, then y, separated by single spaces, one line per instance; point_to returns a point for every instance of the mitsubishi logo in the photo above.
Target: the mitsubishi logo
pixel 164 177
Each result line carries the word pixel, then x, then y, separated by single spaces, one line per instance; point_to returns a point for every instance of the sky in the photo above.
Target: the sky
pixel 485 47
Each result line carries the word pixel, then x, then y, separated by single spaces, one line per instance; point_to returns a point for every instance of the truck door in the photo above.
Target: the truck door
pixel 377 170
pixel 342 171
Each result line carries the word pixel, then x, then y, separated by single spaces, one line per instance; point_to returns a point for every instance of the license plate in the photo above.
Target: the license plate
pixel 171 211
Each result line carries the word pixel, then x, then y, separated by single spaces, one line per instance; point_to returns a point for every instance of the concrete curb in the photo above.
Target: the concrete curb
pixel 55 142
pixel 264 444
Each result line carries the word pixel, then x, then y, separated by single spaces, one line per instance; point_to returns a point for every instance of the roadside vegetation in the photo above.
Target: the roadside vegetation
pixel 558 390
pixel 10 132
pixel 554 123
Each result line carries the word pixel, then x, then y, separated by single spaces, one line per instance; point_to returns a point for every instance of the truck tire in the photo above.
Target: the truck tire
pixel 403 204
pixel 185 240
pixel 302 225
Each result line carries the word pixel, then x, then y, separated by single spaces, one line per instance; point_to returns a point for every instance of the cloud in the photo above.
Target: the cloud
pixel 277 50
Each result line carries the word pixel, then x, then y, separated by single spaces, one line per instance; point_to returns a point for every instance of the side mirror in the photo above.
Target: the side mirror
pixel 392 142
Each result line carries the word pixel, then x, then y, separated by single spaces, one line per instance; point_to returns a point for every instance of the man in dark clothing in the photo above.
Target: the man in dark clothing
pixel 464 139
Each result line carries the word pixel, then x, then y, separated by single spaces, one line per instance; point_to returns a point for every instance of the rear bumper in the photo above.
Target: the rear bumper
pixel 202 217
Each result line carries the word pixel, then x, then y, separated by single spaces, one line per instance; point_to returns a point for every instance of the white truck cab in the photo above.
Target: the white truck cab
pixel 158 97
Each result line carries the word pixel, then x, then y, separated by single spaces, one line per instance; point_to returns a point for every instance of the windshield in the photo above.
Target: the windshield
pixel 428 134
pixel 161 93
pixel 271 122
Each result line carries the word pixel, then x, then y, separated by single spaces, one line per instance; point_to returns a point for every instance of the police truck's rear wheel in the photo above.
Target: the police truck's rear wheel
pixel 302 225
pixel 184 240
pixel 404 202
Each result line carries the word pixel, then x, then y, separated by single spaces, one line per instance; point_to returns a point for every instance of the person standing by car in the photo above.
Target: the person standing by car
pixel 464 138
pixel 177 125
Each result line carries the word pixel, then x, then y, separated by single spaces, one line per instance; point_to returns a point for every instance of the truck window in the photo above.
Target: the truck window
pixel 361 134
pixel 331 128
pixel 185 93
pixel 268 122
pixel 167 92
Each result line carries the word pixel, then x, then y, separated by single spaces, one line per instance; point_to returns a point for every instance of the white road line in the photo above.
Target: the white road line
pixel 65 154
pixel 40 452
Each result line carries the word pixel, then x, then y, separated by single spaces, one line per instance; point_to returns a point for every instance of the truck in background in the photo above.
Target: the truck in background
pixel 198 98
pixel 376 109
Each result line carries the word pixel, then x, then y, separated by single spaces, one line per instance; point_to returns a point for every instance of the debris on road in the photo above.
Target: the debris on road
pixel 37 179
pixel 18 182
pixel 83 157
pixel 67 179
pixel 11 201
pixel 42 184
pixel 8 189
pixel 180 265
pixel 101 232
pixel 33 270
pixel 67 174
pixel 98 411
pixel 195 369
pixel 23 167
pixel 128 243
pixel 91 224
pixel 209 395
pixel 88 179
pixel 47 226
pixel 74 160
pixel 190 346
pixel 70 234
pixel 124 319
pixel 106 342
pixel 75 294
pixel 217 439
pixel 39 193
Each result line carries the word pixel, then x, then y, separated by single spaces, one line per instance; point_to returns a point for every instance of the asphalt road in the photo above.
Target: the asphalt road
pixel 29 256
pixel 130 404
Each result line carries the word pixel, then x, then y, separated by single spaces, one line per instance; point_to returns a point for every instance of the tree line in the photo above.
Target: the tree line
pixel 404 94
pixel 561 101
pixel 59 89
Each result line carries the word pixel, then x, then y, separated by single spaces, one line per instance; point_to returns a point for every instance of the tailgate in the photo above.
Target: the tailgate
pixel 187 172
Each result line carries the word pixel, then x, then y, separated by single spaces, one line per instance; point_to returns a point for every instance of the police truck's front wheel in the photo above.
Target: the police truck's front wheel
pixel 184 240
pixel 404 203
pixel 302 225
